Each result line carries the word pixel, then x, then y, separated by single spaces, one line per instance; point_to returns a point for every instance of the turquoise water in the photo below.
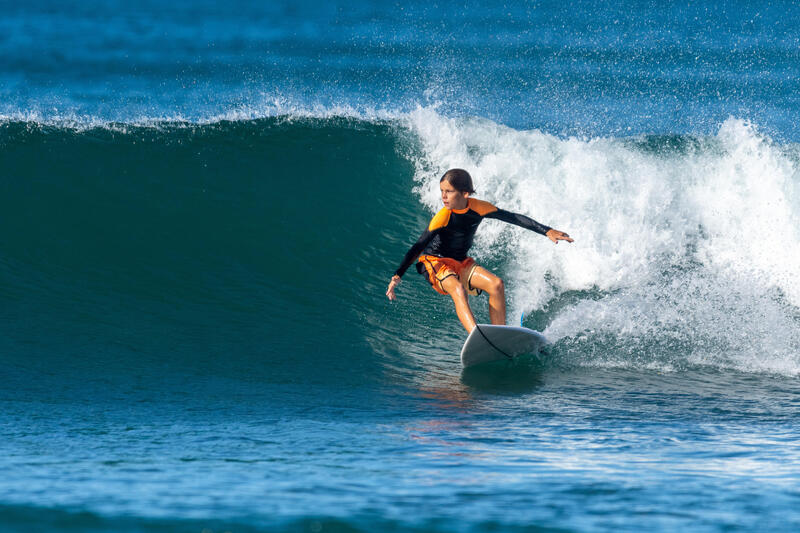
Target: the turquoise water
pixel 200 208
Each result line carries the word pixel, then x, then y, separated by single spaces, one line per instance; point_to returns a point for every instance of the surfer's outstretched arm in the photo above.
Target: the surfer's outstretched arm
pixel 528 223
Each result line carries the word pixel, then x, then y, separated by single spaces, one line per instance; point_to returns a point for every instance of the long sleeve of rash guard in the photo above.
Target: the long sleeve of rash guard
pixel 518 220
pixel 414 251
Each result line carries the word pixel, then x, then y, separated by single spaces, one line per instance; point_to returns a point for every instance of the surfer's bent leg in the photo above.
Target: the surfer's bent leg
pixel 486 281
pixel 452 285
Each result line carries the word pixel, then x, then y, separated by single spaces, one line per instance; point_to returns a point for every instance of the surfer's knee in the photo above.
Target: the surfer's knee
pixel 455 289
pixel 458 291
pixel 496 286
pixel 452 286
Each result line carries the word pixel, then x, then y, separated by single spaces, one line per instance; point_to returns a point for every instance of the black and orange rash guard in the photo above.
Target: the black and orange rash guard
pixel 451 231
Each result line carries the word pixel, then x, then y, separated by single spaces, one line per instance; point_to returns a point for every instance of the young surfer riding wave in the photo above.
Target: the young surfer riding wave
pixel 441 251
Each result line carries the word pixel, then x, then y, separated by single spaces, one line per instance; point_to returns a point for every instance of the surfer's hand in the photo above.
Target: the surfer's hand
pixel 555 236
pixel 392 284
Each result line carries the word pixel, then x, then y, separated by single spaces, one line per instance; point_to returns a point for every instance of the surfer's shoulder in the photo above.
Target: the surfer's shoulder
pixel 440 219
pixel 482 207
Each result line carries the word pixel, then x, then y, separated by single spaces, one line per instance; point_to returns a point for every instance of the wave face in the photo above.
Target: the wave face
pixel 233 240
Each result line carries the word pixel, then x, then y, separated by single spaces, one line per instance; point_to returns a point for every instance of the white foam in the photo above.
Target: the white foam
pixel 692 251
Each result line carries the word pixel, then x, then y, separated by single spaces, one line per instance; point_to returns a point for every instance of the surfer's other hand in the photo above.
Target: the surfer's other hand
pixel 555 236
pixel 392 284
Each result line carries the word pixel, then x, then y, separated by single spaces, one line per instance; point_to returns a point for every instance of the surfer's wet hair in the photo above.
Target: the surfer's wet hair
pixel 459 179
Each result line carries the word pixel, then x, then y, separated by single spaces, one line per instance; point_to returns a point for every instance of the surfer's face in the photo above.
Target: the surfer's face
pixel 451 198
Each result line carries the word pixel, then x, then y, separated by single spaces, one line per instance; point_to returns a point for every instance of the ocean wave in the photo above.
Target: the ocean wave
pixel 685 253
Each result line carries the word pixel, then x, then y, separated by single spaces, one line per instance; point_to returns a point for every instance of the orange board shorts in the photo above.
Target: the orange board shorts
pixel 437 269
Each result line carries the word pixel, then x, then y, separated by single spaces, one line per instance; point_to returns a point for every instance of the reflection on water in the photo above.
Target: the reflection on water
pixel 520 375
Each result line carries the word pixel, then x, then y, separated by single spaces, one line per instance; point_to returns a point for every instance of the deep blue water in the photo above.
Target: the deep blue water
pixel 201 206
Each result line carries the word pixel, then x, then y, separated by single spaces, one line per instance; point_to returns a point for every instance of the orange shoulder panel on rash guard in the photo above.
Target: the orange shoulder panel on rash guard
pixel 481 207
pixel 440 219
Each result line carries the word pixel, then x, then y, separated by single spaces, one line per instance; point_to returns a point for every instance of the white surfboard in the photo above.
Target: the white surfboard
pixel 488 342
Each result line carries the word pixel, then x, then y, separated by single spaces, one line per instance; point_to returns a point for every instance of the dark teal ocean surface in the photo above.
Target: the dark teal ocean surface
pixel 201 207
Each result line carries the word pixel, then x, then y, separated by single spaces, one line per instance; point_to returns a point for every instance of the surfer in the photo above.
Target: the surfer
pixel 441 251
